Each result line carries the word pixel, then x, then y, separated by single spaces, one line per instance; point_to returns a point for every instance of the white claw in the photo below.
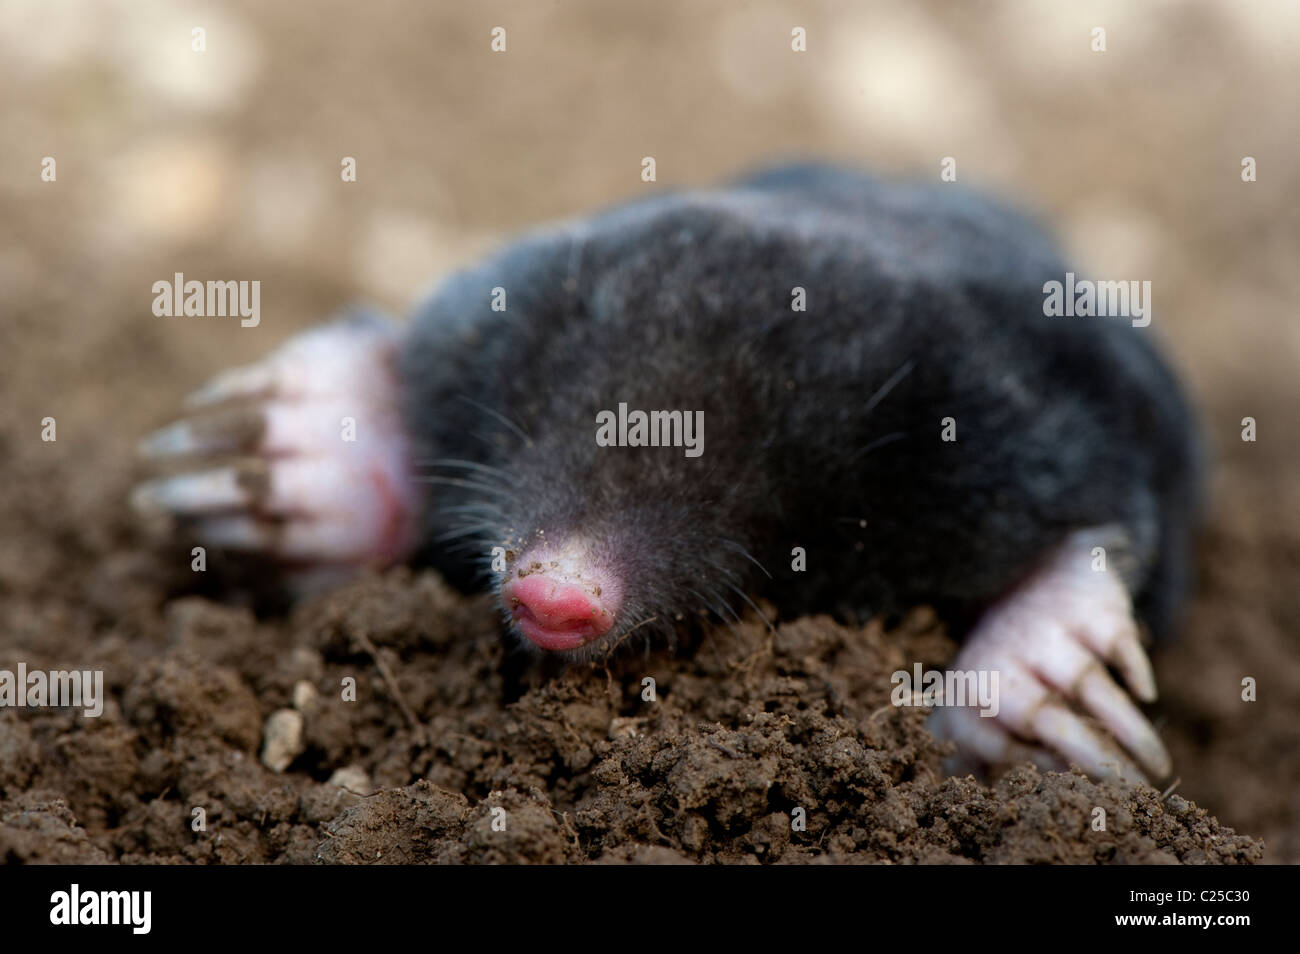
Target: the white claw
pixel 1078 675
pixel 254 380
pixel 270 429
pixel 302 458
pixel 1113 708
pixel 1131 660
pixel 175 440
pixel 236 533
pixel 1068 734
pixel 984 740
pixel 1048 642
pixel 188 494
pixel 213 433
pixel 324 539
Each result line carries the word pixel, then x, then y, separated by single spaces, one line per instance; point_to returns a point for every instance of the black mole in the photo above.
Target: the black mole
pixel 867 408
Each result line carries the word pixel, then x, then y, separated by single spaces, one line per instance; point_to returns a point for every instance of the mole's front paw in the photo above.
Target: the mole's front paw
pixel 1050 643
pixel 301 457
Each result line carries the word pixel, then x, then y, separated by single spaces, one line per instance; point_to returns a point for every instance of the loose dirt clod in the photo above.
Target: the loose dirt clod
pixel 282 739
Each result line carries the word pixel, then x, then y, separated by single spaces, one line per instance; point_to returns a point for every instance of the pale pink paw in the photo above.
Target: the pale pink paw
pixel 301 457
pixel 1050 642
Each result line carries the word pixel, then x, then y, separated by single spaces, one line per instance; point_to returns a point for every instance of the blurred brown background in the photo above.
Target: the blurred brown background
pixel 225 165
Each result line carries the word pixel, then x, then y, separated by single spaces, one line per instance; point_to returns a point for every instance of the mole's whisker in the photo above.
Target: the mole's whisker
pixel 745 553
pixel 485 469
pixel 716 606
pixel 889 385
pixel 463 484
pixel 878 442
pixel 476 529
pixel 497 415
pixel 761 615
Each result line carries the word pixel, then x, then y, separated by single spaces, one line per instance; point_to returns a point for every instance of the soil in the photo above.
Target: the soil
pixel 227 167
pixel 407 749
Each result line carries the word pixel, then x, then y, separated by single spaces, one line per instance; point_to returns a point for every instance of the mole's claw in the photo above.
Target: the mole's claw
pixel 1131 660
pixel 1077 674
pixel 1048 642
pixel 1063 731
pixel 254 380
pixel 316 472
pixel 985 741
pixel 324 540
pixel 172 440
pixel 224 431
pixel 237 533
pixel 222 488
pixel 1113 709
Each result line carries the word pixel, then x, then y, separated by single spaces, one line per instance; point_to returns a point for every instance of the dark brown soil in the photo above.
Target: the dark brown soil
pixel 743 729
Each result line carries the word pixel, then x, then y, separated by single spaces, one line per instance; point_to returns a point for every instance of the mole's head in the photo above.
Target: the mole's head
pixel 601 542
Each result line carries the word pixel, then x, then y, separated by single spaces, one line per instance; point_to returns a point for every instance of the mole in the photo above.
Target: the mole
pixel 882 414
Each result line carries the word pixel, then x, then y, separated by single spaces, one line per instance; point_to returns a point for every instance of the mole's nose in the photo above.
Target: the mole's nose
pixel 557 613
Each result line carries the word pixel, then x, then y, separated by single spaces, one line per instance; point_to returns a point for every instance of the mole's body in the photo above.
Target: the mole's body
pixel 861 371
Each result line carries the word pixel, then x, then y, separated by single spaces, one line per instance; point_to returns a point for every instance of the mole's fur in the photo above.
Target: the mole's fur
pixel 823 428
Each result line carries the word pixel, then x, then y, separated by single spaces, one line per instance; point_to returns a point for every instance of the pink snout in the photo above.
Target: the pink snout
pixel 557 613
